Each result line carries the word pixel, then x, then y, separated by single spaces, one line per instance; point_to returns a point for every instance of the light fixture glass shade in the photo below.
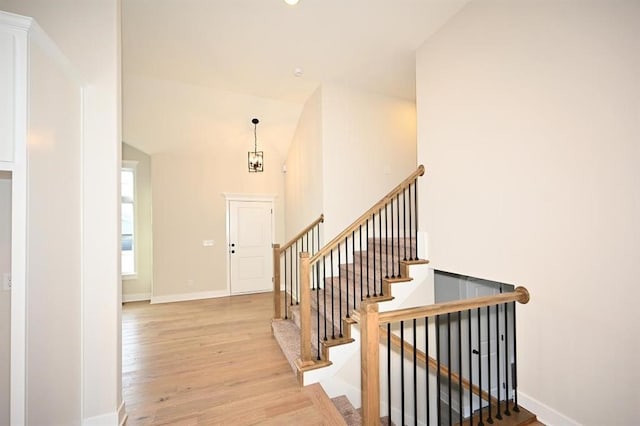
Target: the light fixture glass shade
pixel 256 163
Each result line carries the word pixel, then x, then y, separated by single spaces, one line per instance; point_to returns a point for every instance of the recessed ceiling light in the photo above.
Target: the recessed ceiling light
pixel 297 71
pixel 291 2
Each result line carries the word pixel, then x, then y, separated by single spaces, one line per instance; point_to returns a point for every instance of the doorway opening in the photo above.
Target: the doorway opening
pixel 250 230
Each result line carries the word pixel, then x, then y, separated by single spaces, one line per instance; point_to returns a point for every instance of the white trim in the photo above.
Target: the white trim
pixel 109 419
pixel 170 298
pixel 122 414
pixel 544 413
pixel 135 297
pixel 234 196
pixel 19 26
pixel 7 166
pixel 128 277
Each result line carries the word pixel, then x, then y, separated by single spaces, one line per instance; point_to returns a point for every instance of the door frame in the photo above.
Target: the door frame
pixel 229 197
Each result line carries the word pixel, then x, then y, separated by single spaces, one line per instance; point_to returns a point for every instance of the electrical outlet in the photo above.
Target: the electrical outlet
pixel 6 281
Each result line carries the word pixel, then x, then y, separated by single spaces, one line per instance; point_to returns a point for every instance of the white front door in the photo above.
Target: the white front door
pixel 250 250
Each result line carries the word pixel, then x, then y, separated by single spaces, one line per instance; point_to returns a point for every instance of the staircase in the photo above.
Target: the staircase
pixel 357 281
pixel 351 290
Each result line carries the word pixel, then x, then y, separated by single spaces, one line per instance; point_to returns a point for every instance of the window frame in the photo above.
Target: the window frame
pixel 130 166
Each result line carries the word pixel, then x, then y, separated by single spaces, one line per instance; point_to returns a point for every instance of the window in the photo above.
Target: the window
pixel 127 206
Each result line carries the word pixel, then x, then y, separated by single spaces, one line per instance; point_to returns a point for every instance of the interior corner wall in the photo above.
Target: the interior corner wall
pixel 5 296
pixel 141 285
pixel 88 33
pixel 304 177
pixel 528 124
pixel 201 155
pixel 368 147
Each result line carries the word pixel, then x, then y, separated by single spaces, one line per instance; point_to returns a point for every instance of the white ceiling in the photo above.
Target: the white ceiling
pixel 252 46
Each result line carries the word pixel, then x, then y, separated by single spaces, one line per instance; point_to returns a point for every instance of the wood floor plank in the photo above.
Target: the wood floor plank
pixel 212 362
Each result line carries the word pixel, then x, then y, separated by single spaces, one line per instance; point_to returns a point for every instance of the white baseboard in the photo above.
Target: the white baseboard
pixel 544 413
pixel 122 414
pixel 110 419
pixel 135 297
pixel 169 298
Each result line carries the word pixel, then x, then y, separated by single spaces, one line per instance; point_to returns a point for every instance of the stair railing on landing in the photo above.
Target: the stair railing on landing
pixel 286 259
pixel 469 346
pixel 358 264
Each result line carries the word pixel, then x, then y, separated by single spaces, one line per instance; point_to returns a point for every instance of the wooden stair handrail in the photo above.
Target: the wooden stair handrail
pixel 302 233
pixel 362 219
pixel 520 295
pixel 433 365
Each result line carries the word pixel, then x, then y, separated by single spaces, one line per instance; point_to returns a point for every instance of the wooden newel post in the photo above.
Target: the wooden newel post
pixel 370 363
pixel 305 309
pixel 277 313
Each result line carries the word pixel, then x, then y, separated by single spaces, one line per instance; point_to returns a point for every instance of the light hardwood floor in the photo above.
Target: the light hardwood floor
pixel 212 362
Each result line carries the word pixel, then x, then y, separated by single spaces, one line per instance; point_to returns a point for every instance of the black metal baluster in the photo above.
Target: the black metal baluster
pixel 360 257
pixel 362 253
pixel 386 239
pixel 353 238
pixel 498 340
pixel 411 227
pixel 313 249
pixel 317 266
pixel 489 418
pixel 449 368
pixel 380 248
pixel 346 255
pixel 470 367
pixel 324 295
pixel 373 243
pixel 402 371
pixel 393 260
pixel 426 352
pixel 404 220
pixel 291 274
pixel 438 389
pixel 297 274
pixel 415 200
pixel 460 406
pixel 333 327
pixel 479 342
pixel 286 307
pixel 415 375
pixel 506 360
pixel 398 236
pixel 514 379
pixel 339 294
pixel 389 371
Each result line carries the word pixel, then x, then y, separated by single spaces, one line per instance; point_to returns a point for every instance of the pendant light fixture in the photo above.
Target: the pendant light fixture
pixel 256 163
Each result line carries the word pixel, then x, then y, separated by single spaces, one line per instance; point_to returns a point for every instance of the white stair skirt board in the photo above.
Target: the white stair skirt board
pixel 544 413
pixel 169 298
pixel 136 297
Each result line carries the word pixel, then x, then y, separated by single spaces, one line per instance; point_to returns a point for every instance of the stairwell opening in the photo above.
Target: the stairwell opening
pixel 449 287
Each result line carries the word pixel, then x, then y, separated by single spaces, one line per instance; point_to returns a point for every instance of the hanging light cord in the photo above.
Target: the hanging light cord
pixel 255 137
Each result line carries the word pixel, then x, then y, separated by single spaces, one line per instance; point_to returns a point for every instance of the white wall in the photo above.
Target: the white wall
pixel 350 149
pixel 88 34
pixel 140 286
pixel 304 179
pixel 528 123
pixel 369 146
pixel 195 160
pixel 53 274
pixel 5 296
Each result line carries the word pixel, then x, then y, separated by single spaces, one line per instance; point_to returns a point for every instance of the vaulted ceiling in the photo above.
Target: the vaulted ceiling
pixel 238 58
pixel 253 46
